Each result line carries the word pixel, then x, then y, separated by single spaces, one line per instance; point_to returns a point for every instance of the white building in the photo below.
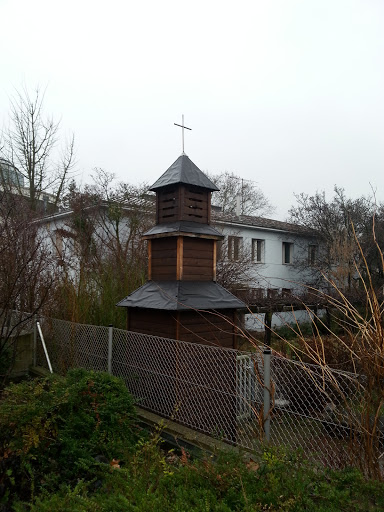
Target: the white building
pixel 279 256
pixel 277 261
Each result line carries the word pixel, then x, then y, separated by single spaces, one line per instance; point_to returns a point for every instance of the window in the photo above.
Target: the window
pixel 287 253
pixel 257 293
pixel 234 246
pixel 59 244
pixel 312 254
pixel 286 292
pixel 272 293
pixel 257 250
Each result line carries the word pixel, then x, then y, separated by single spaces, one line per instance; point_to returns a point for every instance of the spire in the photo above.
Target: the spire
pixel 183 170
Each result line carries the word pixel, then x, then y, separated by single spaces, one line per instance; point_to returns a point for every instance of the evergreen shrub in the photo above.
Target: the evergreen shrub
pixel 62 429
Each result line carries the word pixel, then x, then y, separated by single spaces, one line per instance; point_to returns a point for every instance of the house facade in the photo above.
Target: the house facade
pixel 277 258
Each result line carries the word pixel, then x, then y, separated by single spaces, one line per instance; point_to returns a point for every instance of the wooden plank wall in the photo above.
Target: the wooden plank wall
pixel 195 205
pixel 168 202
pixel 207 328
pixel 192 326
pixel 183 203
pixel 198 259
pixel 164 259
pixel 152 321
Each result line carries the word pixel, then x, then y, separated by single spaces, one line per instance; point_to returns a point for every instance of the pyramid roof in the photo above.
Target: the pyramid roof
pixel 183 170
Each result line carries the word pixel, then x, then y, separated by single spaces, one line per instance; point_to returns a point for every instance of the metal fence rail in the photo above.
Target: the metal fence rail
pixel 220 391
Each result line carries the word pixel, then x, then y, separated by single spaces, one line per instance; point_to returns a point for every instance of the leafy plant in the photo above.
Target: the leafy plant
pixel 57 429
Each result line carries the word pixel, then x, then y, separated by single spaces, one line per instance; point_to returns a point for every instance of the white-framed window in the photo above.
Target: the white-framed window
pixel 312 254
pixel 286 292
pixel 287 253
pixel 258 247
pixel 272 293
pixel 234 247
pixel 59 244
pixel 257 293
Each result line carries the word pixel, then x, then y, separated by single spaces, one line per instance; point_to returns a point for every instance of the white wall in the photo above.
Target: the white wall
pixel 255 321
pixel 273 273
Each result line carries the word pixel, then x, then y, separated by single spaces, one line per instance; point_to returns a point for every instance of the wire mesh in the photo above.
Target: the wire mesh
pixel 220 391
pixel 72 345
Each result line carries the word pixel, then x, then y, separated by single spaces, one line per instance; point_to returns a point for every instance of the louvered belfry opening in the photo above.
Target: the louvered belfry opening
pixel 187 203
pixel 181 299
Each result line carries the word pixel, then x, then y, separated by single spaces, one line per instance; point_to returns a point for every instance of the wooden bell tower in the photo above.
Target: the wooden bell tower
pixel 181 299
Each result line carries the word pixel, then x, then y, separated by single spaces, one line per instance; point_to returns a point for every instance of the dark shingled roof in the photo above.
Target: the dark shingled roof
pixel 259 222
pixel 183 170
pixel 184 227
pixel 181 295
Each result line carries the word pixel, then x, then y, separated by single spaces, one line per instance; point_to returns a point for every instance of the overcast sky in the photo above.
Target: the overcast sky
pixel 287 93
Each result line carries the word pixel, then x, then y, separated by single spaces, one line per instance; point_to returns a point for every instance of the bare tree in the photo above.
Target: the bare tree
pixel 108 257
pixel 237 192
pixel 339 225
pixel 26 271
pixel 30 143
pixel 234 268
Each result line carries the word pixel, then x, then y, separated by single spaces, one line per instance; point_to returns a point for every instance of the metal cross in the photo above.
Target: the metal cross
pixel 182 130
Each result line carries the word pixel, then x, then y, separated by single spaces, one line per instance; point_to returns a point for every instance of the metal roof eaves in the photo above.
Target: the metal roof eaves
pixel 264 228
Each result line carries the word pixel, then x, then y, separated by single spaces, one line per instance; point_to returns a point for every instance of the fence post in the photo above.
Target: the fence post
pixel 44 346
pixel 110 339
pixel 267 392
pixel 35 340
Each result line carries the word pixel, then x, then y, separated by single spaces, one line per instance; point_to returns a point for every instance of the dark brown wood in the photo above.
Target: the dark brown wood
pixel 194 205
pixel 198 255
pixel 209 208
pixel 207 328
pixel 181 201
pixel 163 259
pixel 199 244
pixel 234 329
pixel 154 322
pixel 161 244
pixel 128 319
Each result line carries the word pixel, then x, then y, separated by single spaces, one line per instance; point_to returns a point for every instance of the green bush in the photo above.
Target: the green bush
pixel 156 481
pixel 60 429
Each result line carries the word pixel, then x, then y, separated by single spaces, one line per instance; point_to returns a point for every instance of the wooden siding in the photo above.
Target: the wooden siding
pixel 163 259
pixel 152 321
pixel 183 203
pixel 198 259
pixel 168 202
pixel 207 328
pixel 195 205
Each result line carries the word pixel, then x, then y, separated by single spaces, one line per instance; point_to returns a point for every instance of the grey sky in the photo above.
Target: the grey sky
pixel 287 93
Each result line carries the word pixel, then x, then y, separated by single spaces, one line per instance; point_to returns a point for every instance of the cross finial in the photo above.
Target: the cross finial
pixel 182 130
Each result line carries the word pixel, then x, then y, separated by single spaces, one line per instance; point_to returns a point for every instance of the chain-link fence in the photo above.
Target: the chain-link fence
pixel 13 322
pixel 222 392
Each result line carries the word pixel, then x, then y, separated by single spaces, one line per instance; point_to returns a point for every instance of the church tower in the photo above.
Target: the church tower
pixel 181 299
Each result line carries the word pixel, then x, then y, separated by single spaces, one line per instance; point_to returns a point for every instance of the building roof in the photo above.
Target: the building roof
pixel 259 222
pixel 185 227
pixel 183 170
pixel 181 295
